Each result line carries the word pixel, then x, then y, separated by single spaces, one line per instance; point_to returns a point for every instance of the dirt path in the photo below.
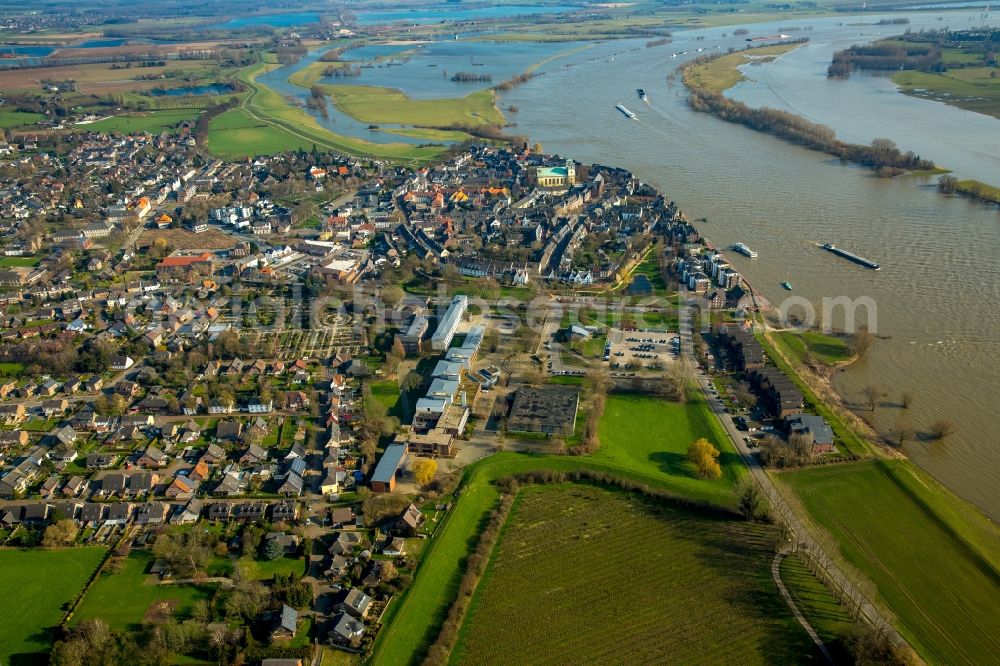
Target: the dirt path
pixel 776 573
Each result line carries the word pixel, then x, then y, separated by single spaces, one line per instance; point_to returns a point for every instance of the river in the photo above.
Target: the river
pixel 937 293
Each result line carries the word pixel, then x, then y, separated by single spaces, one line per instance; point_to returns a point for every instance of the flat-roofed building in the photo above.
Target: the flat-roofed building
pixel 454 419
pixel 448 325
pixel 433 443
pixel 411 341
pixel 446 369
pixel 428 412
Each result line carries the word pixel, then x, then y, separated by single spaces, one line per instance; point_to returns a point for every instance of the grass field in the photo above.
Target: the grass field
pixel 936 571
pixel 35 586
pixel 372 104
pixel 387 393
pixel 587 575
pixel 970 88
pixel 25 262
pixel 802 345
pixel 722 73
pixel 153 122
pixel 236 134
pixel 651 269
pixel 11 369
pixel 413 622
pixel 283 565
pixel 979 190
pixel 650 435
pixel 11 118
pixel 122 599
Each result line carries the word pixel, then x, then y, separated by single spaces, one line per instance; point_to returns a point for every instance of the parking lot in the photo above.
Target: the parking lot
pixel 637 350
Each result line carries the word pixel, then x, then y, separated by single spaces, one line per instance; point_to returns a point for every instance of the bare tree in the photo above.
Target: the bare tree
pixel 947 183
pixel 902 433
pixel 905 400
pixel 873 394
pixel 861 342
pixel 942 429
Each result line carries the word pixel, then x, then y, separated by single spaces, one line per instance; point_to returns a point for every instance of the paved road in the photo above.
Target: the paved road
pixel 802 538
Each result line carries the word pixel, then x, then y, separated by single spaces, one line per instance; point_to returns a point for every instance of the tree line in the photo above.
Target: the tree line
pixel 883 56
pixel 201 125
pixel 342 72
pixel 464 77
pixel 881 155
pixel 515 81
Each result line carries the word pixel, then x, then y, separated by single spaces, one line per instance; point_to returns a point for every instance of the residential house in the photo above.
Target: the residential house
pixel 251 512
pixel 345 543
pixel 814 428
pixel 181 487
pixel 91 514
pixel 329 485
pixel 214 454
pixel 289 542
pixel 142 483
pixel 219 511
pixel 229 430
pixel 153 458
pixel 200 471
pixel 121 362
pixel 341 516
pixel 253 455
pixel 230 484
pixel 221 407
pixel 113 484
pixel 151 513
pixel 49 486
pixel 338 567
pixel 12 414
pixel 296 400
pixel 284 512
pixel 35 514
pixel 291 486
pixel 188 514
pixel 74 486
pixel 119 513
pixel 347 630
pixel 14 438
pixel 410 520
pixel 355 602
pixel 394 547
pixel 55 407
pixel 287 623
